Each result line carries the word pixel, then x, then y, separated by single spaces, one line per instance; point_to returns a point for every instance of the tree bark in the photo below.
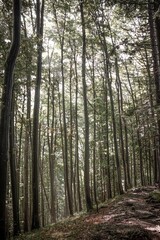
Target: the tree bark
pixel 77 133
pixel 154 24
pixel 6 110
pixel 35 150
pixel 86 119
pixel 14 184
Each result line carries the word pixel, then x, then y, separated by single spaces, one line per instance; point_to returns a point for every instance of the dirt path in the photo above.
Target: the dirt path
pixel 134 217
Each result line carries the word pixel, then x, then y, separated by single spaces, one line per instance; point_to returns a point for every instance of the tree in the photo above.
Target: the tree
pixel 61 36
pixel 154 24
pixel 86 119
pixel 35 149
pixel 6 112
pixel 51 135
pixel 14 183
pixel 76 129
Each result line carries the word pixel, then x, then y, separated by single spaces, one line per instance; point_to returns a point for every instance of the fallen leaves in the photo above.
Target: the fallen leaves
pixel 129 217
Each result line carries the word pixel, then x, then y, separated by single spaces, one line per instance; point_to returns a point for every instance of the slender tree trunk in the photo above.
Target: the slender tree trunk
pixel 122 140
pixel 51 135
pixel 77 138
pixel 150 93
pixel 66 212
pixel 5 112
pixel 43 187
pixel 127 153
pixel 106 140
pixel 108 77
pixel 134 158
pixel 64 136
pixel 94 131
pixel 71 136
pixel 118 165
pixel 19 175
pixel 27 138
pixel 154 24
pixel 124 143
pixel 27 157
pixel 86 119
pixel 35 150
pixel 70 203
pixel 14 185
pixel 141 165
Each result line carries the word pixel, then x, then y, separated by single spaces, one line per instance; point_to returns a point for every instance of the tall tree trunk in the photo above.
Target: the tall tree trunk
pixel 86 119
pixel 61 34
pixel 51 135
pixel 154 24
pixel 71 136
pixel 76 134
pixel 68 189
pixel 124 143
pixel 106 141
pixel 66 209
pixel 150 93
pixel 118 165
pixel 5 112
pixel 27 138
pixel 109 82
pixel 94 131
pixel 121 138
pixel 27 157
pixel 14 185
pixel 134 157
pixel 108 77
pixel 137 132
pixel 35 150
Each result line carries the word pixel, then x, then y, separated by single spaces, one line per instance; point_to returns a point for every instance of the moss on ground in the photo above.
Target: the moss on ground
pixel 154 197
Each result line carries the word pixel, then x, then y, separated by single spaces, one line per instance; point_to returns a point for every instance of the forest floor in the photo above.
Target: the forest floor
pixel 132 216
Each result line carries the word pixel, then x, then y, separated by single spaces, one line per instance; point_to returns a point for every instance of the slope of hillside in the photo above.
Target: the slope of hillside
pixel 132 216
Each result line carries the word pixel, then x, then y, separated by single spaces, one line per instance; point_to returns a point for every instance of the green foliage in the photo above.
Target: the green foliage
pixel 154 196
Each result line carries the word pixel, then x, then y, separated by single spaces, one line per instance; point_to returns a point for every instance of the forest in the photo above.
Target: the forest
pixel 79 106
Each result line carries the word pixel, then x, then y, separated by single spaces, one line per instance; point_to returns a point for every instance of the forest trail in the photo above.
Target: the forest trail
pixel 132 216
